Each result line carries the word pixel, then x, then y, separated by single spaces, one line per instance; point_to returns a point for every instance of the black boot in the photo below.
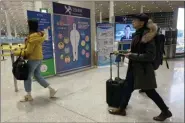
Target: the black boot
pixel 119 111
pixel 163 116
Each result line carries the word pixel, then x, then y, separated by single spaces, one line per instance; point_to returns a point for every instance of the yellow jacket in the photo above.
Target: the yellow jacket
pixel 33 47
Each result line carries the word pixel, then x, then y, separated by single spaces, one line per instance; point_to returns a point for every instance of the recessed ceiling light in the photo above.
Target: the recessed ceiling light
pixel 157 7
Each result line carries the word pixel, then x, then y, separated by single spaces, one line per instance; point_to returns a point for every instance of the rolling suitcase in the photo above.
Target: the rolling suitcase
pixel 114 88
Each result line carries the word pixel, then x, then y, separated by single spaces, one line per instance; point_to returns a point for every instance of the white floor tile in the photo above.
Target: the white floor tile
pixel 81 97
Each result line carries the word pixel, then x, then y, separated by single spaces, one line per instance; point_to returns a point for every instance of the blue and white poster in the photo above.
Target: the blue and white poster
pixel 105 41
pixel 44 20
pixel 72 38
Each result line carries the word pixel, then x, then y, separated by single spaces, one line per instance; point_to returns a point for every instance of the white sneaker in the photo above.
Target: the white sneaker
pixel 52 93
pixel 27 98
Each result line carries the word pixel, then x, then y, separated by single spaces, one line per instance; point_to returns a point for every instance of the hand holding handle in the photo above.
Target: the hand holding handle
pixel 129 50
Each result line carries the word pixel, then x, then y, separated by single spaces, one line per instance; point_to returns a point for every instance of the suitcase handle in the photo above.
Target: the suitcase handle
pixel 111 65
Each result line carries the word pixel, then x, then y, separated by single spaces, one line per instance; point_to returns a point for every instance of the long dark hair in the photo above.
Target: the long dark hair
pixel 33 26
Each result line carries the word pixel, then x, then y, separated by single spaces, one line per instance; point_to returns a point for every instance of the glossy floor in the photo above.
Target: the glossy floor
pixel 81 97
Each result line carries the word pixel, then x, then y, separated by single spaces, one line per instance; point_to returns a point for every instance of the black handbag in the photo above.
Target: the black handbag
pixel 20 68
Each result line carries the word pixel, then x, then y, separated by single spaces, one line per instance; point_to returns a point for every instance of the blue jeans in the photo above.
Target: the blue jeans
pixel 34 70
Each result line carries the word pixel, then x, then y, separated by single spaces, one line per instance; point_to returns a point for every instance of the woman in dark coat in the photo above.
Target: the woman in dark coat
pixel 140 74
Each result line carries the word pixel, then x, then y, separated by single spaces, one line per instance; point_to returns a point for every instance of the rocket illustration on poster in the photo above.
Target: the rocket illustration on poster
pixel 72 40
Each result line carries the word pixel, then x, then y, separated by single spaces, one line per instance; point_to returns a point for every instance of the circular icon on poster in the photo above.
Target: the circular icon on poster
pixel 67 59
pixel 87 55
pixel 61 45
pixel 67 50
pixel 66 40
pixel 61 23
pixel 60 36
pixel 43 68
pixel 83 43
pixel 87 47
pixel 86 38
pixel 62 56
pixel 83 52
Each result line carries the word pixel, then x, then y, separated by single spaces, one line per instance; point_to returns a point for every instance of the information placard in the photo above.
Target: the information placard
pixel 105 40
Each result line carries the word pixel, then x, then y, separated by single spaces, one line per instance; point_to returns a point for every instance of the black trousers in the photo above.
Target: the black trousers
pixel 129 88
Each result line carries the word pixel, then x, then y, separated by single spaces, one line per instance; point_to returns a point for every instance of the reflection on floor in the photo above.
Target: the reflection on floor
pixel 81 98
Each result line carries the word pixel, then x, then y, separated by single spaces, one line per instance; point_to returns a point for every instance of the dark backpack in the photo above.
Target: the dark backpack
pixel 20 69
pixel 159 43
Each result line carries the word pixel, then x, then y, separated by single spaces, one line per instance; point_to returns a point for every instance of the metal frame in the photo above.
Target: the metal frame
pixel 15 80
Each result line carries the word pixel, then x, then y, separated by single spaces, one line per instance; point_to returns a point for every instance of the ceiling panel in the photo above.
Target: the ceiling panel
pixel 17 9
pixel 132 7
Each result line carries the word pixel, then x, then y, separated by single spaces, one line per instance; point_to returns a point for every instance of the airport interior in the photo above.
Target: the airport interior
pixel 74 55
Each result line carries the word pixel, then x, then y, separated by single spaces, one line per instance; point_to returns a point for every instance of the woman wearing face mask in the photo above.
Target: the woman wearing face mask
pixel 140 74
pixel 33 52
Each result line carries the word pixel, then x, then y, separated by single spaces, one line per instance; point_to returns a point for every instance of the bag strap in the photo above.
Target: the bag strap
pixel 20 54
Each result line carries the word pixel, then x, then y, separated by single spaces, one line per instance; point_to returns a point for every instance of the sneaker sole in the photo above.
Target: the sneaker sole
pixel 53 94
pixel 26 100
